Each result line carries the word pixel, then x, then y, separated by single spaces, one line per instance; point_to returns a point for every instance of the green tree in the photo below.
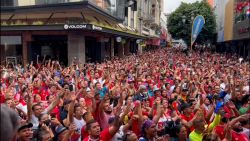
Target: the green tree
pixel 180 30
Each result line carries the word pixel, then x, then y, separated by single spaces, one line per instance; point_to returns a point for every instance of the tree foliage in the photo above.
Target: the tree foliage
pixel 179 30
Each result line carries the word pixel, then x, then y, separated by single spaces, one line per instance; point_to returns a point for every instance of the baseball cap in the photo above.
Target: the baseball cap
pixel 60 129
pixel 24 126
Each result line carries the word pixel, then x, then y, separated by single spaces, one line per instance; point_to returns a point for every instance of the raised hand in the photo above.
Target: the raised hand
pixel 73 96
pixel 45 127
pixel 55 121
pixel 72 127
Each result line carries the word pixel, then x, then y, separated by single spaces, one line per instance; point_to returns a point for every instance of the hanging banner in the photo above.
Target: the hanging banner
pixel 198 23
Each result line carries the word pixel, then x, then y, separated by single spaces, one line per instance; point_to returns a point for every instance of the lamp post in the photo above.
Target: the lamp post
pixel 184 19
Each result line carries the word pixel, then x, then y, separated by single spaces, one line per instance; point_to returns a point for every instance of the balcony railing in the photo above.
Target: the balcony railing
pixel 113 7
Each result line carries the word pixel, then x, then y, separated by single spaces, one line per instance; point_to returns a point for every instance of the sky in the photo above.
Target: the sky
pixel 171 5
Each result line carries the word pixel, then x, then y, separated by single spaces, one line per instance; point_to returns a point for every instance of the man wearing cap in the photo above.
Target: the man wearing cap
pixel 25 132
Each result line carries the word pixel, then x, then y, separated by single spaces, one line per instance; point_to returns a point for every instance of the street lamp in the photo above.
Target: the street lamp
pixel 184 19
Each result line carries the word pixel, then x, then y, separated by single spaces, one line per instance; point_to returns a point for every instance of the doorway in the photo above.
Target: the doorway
pixel 53 46
pixel 93 49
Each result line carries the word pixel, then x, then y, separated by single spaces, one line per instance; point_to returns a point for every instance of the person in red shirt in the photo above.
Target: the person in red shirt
pixel 187 116
pixel 43 94
pixel 237 130
pixel 95 133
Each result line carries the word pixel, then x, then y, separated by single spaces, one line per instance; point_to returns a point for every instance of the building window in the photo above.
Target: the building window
pixel 7 3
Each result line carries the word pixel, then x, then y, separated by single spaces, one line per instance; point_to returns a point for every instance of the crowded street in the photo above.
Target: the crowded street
pixel 125 70
pixel 162 95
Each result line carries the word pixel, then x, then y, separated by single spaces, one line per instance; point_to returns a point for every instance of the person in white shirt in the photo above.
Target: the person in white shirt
pixel 34 111
pixel 75 116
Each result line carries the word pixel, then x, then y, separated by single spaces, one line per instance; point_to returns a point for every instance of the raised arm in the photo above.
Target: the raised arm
pixel 72 129
pixel 70 115
pixel 189 124
pixel 101 105
pixel 215 122
pixel 113 129
pixel 158 113
pixel 54 103
pixel 240 118
pixel 29 106
pixel 210 113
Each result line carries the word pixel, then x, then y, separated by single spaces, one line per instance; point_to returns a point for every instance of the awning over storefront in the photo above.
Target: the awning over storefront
pixel 73 27
pixel 86 7
pixel 64 16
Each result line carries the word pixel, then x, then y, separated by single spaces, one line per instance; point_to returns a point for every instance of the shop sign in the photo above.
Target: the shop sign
pixel 94 27
pixel 77 26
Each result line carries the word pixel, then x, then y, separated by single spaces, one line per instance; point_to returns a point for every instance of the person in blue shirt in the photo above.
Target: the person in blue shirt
pixel 151 90
pixel 100 90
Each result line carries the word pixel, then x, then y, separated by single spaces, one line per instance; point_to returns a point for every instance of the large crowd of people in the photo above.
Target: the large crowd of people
pixel 160 95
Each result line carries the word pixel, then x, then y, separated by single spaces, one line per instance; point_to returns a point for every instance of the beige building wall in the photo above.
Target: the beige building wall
pixel 25 2
pixel 129 16
pixel 162 5
pixel 135 19
pixel 228 24
pixel 156 11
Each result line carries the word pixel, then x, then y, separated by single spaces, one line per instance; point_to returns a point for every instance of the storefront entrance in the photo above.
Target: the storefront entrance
pixel 54 47
pixel 93 49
